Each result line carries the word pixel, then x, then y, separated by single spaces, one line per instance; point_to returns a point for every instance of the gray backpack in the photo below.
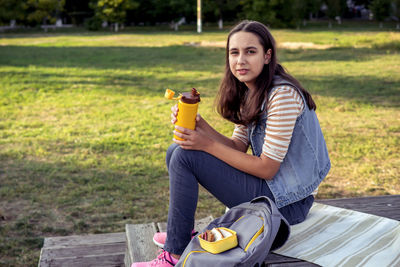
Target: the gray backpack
pixel 259 228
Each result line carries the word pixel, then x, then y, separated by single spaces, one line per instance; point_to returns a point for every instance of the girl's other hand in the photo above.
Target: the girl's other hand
pixel 174 110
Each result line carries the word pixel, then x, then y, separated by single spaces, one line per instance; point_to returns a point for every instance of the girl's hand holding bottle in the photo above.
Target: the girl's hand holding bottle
pixel 197 139
pixel 193 139
pixel 190 128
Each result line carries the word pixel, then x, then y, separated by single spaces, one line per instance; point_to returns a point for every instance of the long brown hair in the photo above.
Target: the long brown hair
pixel 234 101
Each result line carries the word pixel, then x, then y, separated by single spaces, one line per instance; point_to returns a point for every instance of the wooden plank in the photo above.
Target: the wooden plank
pixel 139 243
pixel 202 223
pixel 83 240
pixel 385 206
pixel 114 260
pixel 199 225
pixel 81 251
pixel 59 251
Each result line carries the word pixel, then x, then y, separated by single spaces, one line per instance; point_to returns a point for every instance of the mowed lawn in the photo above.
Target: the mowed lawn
pixel 84 126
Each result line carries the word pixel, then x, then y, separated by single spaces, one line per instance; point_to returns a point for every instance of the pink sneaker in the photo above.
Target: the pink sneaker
pixel 163 260
pixel 160 237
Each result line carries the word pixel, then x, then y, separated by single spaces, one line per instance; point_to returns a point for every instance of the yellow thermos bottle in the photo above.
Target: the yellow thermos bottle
pixel 187 109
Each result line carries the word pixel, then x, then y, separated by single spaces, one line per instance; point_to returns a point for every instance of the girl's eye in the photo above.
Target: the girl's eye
pixel 234 53
pixel 251 52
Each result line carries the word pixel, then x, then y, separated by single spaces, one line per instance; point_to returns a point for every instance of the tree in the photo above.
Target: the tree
pixel 113 11
pixel 259 10
pixel 396 12
pixel 277 13
pixel 44 11
pixel 380 10
pixel 181 10
pixel 305 9
pixel 145 12
pixel 12 10
pixel 76 11
pixel 336 8
pixel 219 10
pixel 162 11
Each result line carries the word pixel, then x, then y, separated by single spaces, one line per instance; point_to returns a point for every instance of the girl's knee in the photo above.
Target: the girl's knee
pixel 170 151
pixel 183 157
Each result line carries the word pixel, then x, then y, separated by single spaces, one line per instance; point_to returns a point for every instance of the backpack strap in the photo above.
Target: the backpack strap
pixel 283 231
pixel 267 200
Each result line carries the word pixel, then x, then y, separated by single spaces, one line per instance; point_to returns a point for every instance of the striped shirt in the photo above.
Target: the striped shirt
pixel 284 106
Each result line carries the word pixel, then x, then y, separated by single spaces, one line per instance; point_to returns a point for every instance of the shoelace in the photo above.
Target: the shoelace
pixel 161 258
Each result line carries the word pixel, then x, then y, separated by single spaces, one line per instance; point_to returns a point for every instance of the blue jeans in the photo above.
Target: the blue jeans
pixel 189 168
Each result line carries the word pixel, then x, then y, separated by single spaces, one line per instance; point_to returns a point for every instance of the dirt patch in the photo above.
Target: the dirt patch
pixel 284 45
pixel 9 211
pixel 206 44
pixel 302 45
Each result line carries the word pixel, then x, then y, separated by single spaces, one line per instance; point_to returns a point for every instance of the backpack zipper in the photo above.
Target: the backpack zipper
pixel 255 235
pixel 195 251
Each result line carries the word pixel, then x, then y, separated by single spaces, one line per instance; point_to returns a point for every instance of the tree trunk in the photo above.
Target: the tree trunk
pixel 398 26
pixel 220 24
pixel 116 27
pixel 380 24
pixel 330 25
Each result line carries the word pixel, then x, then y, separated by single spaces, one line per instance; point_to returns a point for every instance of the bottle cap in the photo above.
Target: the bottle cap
pixel 192 97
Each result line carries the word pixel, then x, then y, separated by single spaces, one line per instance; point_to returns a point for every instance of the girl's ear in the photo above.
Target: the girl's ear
pixel 268 56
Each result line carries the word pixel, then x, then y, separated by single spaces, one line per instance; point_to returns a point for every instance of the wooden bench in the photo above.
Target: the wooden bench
pixel 119 249
pixel 84 250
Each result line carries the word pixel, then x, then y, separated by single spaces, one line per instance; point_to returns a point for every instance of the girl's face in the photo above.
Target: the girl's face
pixel 247 57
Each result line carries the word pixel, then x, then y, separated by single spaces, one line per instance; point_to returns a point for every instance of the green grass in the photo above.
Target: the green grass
pixel 84 126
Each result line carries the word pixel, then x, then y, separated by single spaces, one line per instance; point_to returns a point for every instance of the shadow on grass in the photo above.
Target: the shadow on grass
pixel 147 71
pixel 129 70
pixel 350 54
pixel 363 89
pixel 143 84
pixel 175 58
pixel 40 199
pixel 70 186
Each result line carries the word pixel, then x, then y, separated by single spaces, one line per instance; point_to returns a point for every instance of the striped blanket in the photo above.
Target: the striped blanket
pixel 332 236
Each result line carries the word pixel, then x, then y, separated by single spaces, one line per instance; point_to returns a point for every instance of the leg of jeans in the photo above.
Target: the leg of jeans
pixel 170 151
pixel 297 212
pixel 187 169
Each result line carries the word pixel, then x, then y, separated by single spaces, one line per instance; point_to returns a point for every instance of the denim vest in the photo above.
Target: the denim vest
pixel 307 161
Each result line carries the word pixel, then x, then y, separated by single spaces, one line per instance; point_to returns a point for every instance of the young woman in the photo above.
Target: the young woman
pixel 274 115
